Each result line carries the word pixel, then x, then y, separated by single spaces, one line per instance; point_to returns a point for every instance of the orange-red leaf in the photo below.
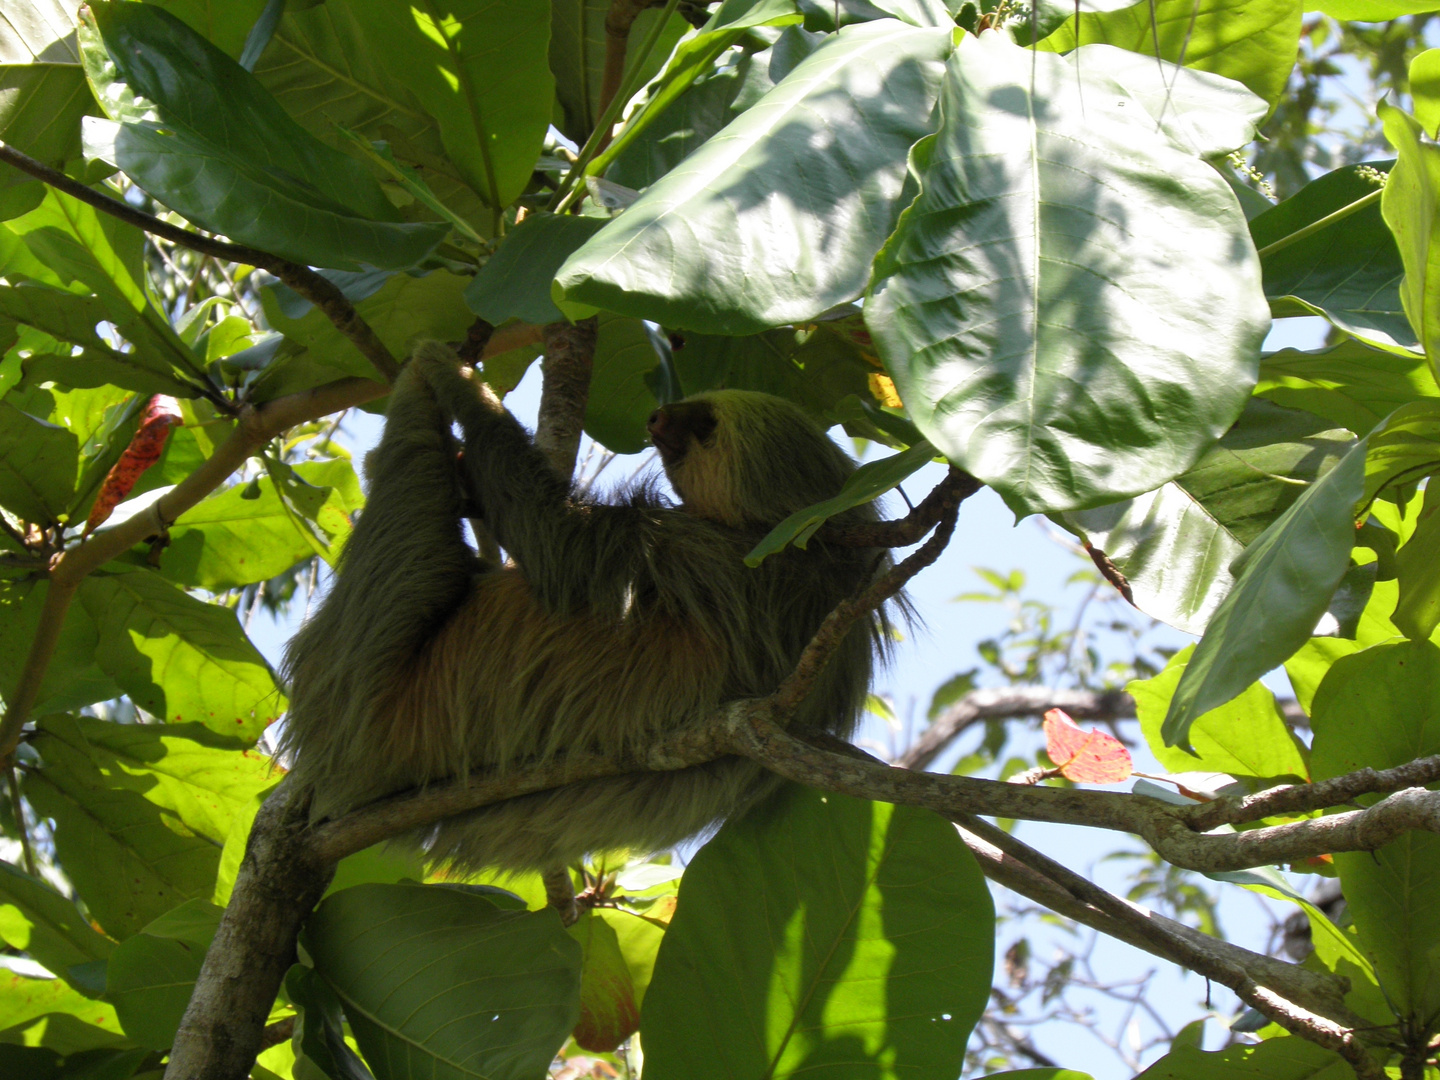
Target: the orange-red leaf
pixel 1087 757
pixel 161 414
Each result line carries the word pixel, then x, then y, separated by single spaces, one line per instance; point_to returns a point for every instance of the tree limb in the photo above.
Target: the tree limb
pixel 902 532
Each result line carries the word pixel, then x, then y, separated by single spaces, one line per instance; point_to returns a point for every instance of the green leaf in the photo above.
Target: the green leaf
pixel 400 308
pixel 1349 383
pixel 229 540
pixel 49 1013
pixel 152 974
pixel 43 95
pixel 1285 580
pixel 866 484
pixel 1348 272
pixel 621 400
pixel 694 56
pixel 1411 206
pixel 72 679
pixel 480 69
pixel 1016 306
pixel 1175 544
pixel 1253 44
pixel 618 950
pixel 1283 1058
pixel 82 248
pixel 227 156
pixel 38 461
pixel 320 1028
pixel 177 657
pixel 141 810
pixel 1247 736
pixel 515 282
pixel 1417 612
pixel 710 248
pixel 1372 10
pixel 406 962
pixel 1425 89
pixel 36 919
pixel 825 935
pixel 737 80
pixel 1041 1074
pixel 577 57
pixel 1378 709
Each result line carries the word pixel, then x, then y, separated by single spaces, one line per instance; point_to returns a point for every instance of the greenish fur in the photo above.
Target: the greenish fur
pixel 614 625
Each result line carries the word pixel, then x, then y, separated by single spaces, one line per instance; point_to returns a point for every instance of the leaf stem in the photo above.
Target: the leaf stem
pixel 566 193
pixel 25 849
pixel 1323 223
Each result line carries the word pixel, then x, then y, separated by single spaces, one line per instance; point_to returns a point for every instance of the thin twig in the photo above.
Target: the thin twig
pixel 832 631
pixel 902 532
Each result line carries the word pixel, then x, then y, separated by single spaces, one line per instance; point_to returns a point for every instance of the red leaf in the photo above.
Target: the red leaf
pixel 161 414
pixel 1087 757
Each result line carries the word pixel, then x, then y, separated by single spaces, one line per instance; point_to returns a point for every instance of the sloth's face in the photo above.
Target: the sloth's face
pixel 679 426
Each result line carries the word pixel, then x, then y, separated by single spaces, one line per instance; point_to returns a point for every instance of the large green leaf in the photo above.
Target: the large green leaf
pixel 692 58
pixel 1247 736
pixel 138 811
pixel 177 657
pixel 577 56
pixel 1348 272
pixel 72 679
pixel 1285 581
pixel 1417 611
pixel 822 935
pixel 1175 544
pixel 1373 10
pixel 43 94
pixel 437 981
pixel 1021 305
pixel 1411 206
pixel 1254 44
pixel 729 243
pixel 400 308
pixel 1378 709
pixel 38 920
pixel 78 247
pixel 1350 383
pixel 480 70
pixel 227 156
pixel 244 534
pixel 152 974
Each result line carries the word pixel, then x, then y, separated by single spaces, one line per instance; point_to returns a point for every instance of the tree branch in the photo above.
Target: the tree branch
pixel 569 357
pixel 319 290
pixel 837 624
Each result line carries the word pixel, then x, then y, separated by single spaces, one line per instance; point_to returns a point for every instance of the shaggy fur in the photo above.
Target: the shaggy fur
pixel 613 624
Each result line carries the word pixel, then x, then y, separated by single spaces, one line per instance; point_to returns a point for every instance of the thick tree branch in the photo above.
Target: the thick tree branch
pixel 318 290
pixel 279 882
pixel 618 21
pixel 1300 798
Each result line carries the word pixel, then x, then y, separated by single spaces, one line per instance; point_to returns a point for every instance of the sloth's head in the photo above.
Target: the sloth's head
pixel 745 458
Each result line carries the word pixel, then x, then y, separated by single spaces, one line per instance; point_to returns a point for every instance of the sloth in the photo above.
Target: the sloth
pixel 610 625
